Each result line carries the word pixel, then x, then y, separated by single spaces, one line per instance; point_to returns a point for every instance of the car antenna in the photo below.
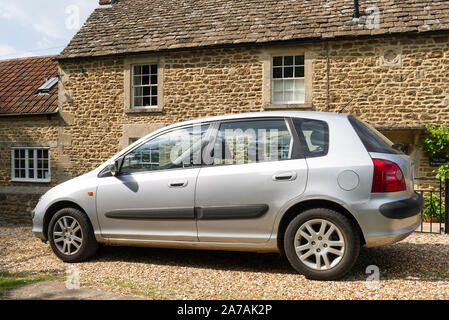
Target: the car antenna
pixel 341 110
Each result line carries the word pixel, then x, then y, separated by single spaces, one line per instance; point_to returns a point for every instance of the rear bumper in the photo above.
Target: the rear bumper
pixel 403 208
pixel 391 236
pixel 386 220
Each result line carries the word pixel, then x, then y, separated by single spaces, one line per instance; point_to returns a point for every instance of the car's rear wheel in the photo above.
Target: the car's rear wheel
pixel 71 235
pixel 322 244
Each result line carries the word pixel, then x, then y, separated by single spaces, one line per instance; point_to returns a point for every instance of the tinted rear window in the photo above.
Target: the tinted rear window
pixel 373 140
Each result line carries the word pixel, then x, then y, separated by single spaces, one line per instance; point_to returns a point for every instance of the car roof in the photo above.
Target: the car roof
pixel 266 114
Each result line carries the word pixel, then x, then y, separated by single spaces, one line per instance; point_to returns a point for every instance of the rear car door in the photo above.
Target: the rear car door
pixel 255 167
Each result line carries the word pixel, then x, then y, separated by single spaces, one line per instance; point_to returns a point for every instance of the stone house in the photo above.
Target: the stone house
pixel 28 133
pixel 138 65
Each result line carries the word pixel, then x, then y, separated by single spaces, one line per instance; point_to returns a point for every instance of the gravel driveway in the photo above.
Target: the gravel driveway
pixel 416 268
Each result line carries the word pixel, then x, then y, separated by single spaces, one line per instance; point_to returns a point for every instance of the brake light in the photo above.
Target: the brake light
pixel 387 177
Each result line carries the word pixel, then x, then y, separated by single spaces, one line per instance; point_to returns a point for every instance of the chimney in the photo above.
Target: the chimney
pixel 356 10
pixel 106 2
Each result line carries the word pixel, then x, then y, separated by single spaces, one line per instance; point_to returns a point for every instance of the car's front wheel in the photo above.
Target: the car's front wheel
pixel 322 244
pixel 71 235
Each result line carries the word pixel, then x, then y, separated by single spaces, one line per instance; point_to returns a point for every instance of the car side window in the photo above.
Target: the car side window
pixel 315 134
pixel 252 141
pixel 175 149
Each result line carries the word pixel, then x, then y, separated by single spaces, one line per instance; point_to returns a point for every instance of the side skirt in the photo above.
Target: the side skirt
pixel 269 246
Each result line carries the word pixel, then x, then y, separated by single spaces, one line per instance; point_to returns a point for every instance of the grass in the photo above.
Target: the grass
pixel 13 280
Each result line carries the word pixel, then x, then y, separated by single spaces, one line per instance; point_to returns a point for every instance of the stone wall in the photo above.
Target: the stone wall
pixel 17 199
pixel 398 82
pixel 15 208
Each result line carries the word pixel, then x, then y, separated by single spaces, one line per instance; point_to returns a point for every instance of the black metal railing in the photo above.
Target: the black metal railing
pixel 434 215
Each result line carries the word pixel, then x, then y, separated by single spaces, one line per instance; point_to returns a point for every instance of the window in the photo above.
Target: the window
pixel 252 141
pixel 315 133
pixel 373 140
pixel 46 87
pixel 176 149
pixel 288 79
pixel 30 164
pixel 144 86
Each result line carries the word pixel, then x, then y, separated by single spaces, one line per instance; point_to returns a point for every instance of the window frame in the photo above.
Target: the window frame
pixel 27 179
pixel 273 80
pixel 133 86
pixel 295 152
pixel 128 81
pixel 267 90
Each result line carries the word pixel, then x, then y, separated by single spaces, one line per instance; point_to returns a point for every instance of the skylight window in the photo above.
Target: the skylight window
pixel 46 87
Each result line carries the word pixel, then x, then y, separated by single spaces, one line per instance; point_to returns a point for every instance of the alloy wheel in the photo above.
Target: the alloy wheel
pixel 319 244
pixel 67 235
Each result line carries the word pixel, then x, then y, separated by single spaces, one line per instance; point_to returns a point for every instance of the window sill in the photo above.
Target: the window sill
pixel 30 180
pixel 293 106
pixel 144 110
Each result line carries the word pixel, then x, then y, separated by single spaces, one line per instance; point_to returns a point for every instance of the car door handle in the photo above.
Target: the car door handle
pixel 177 184
pixel 285 176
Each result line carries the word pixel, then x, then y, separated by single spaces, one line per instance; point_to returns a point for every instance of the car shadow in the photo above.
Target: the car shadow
pixel 407 261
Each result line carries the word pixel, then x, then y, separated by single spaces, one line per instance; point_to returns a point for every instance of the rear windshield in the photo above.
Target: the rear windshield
pixel 373 140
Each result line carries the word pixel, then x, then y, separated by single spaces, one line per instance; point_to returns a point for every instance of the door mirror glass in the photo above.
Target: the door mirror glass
pixel 114 168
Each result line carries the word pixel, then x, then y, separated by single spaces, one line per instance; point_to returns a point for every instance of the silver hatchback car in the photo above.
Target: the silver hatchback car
pixel 315 186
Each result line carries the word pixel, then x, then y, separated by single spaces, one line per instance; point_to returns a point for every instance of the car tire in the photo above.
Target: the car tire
pixel 328 244
pixel 71 235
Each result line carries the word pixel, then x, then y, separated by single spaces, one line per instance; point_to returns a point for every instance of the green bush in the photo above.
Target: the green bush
pixel 436 140
pixel 443 171
pixel 436 144
pixel 432 208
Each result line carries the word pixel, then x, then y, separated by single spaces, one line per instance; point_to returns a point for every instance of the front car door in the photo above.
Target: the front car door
pixel 256 167
pixel 152 196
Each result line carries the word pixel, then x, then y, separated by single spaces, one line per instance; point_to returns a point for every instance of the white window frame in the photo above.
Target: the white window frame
pixel 273 80
pixel 133 86
pixel 27 179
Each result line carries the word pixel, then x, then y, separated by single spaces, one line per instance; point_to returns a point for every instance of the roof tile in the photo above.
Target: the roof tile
pixel 140 25
pixel 19 82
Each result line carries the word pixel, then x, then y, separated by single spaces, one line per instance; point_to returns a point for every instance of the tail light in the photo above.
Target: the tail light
pixel 387 177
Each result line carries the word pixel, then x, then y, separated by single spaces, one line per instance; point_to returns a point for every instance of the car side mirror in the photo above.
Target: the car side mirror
pixel 114 168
